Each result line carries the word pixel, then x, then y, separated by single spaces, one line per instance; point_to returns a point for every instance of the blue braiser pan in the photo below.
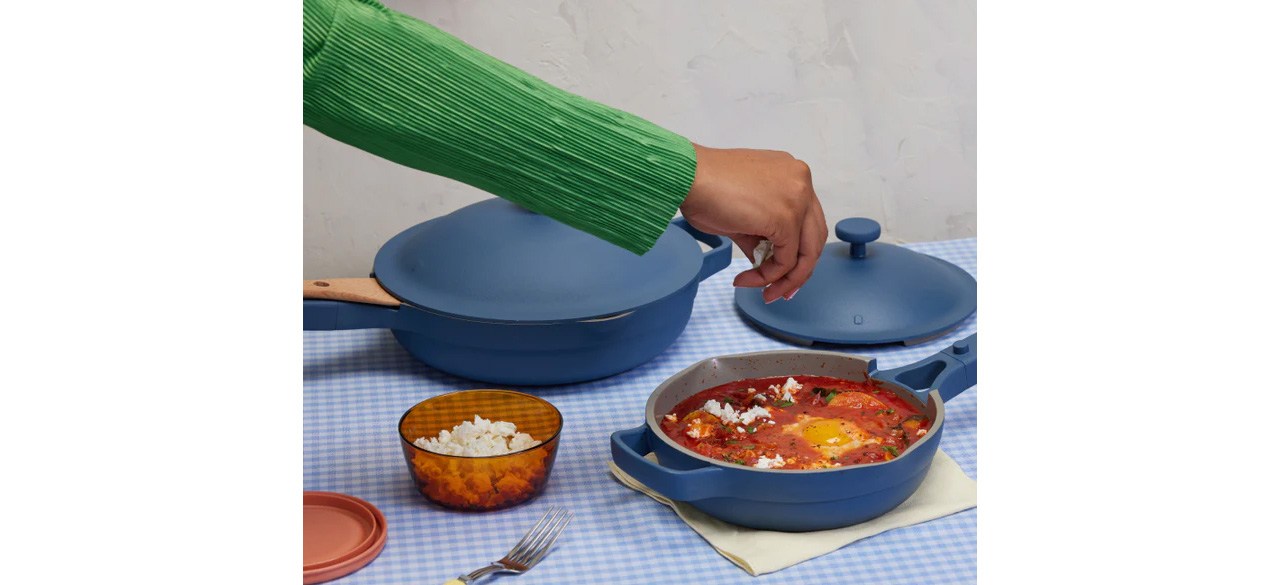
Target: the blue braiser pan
pixel 495 293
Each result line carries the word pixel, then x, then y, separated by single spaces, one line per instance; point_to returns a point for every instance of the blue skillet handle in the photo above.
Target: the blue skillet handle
pixel 950 371
pixel 629 448
pixel 715 259
pixel 325 315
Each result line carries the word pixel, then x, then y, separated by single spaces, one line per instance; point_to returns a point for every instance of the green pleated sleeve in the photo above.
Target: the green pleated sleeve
pixel 402 89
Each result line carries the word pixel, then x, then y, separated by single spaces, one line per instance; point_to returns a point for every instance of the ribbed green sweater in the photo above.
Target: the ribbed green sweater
pixel 402 89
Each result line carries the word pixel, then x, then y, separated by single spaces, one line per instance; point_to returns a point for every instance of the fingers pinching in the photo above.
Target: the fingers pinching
pixel 812 241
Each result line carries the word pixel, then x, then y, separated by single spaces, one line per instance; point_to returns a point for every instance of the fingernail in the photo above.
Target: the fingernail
pixel 767 300
pixel 793 293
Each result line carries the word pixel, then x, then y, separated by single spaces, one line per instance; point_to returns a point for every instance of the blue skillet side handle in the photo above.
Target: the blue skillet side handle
pixel 715 259
pixel 629 448
pixel 950 371
pixel 325 315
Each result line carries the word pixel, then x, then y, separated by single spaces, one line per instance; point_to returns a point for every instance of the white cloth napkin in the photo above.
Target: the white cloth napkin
pixel 945 491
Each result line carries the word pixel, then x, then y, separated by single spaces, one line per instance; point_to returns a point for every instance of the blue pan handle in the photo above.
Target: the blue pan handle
pixel 347 303
pixel 629 448
pixel 715 259
pixel 950 371
pixel 320 315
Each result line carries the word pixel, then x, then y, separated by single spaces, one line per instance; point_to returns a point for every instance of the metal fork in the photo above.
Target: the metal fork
pixel 526 553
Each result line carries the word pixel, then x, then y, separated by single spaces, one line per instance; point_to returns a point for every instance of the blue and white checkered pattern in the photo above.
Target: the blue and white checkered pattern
pixel 358 383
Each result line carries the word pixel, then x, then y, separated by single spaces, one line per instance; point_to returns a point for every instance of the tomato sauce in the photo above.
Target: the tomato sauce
pixel 828 422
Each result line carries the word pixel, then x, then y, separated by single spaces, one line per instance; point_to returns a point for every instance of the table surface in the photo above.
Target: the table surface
pixel 357 384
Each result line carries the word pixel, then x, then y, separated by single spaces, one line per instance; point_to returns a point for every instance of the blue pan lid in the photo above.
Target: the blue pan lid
pixel 863 292
pixel 496 261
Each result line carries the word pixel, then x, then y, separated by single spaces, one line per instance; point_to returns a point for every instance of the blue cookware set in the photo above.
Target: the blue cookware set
pixel 495 293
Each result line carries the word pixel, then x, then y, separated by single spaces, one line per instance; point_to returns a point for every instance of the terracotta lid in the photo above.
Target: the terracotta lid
pixel 340 535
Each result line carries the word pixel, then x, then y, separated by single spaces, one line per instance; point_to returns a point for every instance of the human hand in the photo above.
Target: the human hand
pixel 752 195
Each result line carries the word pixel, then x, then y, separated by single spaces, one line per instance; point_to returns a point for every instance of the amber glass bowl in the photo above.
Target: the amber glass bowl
pixel 481 483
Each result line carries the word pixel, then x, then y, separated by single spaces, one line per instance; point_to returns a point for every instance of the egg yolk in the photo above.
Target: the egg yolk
pixel 822 432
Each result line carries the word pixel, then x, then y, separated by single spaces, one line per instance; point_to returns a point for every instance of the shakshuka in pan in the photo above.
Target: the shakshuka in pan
pixel 800 422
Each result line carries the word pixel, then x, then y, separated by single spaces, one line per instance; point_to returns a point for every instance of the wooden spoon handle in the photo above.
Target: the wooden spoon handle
pixel 355 290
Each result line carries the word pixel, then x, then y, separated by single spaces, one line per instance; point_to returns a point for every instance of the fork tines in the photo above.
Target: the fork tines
pixel 537 542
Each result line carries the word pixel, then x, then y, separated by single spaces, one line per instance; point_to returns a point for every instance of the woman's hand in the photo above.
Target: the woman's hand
pixel 753 195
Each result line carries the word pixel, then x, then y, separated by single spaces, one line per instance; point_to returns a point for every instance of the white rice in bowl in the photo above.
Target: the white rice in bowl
pixel 478 438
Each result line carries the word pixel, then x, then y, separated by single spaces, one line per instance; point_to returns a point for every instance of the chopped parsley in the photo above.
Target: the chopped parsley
pixel 891 449
pixel 782 403
pixel 826 393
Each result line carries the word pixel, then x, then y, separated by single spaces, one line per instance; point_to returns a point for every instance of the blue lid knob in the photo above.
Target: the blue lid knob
pixel 858 231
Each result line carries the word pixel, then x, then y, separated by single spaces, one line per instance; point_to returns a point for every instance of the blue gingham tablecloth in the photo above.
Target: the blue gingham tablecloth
pixel 357 384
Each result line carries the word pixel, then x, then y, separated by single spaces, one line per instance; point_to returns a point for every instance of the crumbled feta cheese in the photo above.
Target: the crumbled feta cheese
pixel 671 417
pixel 478 438
pixel 729 416
pixel 698 431
pixel 833 440
pixel 751 414
pixel 920 432
pixel 763 251
pixel 724 412
pixel 741 430
pixel 759 397
pixel 769 463
pixel 784 392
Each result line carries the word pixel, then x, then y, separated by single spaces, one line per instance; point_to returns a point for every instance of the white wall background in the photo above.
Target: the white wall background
pixel 879 97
